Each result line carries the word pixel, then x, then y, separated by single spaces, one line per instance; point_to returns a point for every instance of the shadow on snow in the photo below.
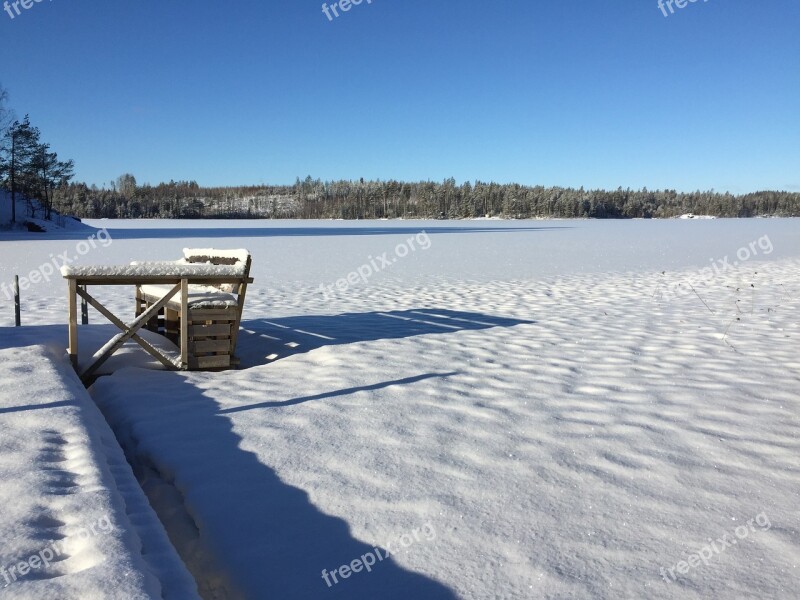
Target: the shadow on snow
pixel 267 340
pixel 266 232
pixel 268 535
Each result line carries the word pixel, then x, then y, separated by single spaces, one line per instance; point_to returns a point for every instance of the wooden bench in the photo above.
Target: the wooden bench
pixel 213 312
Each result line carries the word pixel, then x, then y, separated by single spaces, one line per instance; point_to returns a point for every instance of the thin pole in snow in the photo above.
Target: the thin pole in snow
pixel 17 320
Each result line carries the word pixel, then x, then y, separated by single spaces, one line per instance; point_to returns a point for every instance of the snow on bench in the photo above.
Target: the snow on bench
pixel 75 523
pixel 215 255
pixel 202 296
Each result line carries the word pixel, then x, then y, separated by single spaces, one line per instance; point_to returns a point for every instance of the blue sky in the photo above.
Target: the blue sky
pixel 564 92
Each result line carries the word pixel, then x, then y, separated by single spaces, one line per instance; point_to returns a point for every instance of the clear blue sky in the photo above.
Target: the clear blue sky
pixel 559 92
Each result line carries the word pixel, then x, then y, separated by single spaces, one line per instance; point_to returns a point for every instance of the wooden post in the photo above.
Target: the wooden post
pixel 184 323
pixel 72 297
pixel 17 319
pixel 84 309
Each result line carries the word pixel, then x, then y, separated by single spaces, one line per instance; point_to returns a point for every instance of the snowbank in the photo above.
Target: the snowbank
pixel 75 523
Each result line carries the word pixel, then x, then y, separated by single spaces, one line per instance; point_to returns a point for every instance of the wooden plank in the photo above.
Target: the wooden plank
pixel 84 308
pixel 213 314
pixel 128 333
pixel 184 323
pixel 210 362
pixel 162 358
pixel 211 346
pixel 217 329
pixel 72 297
pixel 139 301
pixel 240 305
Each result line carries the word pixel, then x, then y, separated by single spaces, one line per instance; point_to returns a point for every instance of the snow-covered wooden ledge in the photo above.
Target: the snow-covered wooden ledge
pixel 75 522
pixel 181 277
pixel 156 272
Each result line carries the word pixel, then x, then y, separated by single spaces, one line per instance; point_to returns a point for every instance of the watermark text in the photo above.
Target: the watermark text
pixel 344 6
pixel 46 270
pixel 376 264
pixel 12 7
pixel 56 549
pixel 368 560
pixel 715 547
pixel 672 4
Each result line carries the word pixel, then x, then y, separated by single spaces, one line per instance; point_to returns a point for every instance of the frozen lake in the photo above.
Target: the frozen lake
pixel 297 256
pixel 581 409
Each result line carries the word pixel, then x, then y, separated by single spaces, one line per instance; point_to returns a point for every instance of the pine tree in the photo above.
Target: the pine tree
pixel 50 173
pixel 17 153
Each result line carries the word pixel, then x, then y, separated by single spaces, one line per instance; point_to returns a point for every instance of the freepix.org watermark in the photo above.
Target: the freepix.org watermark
pixel 672 4
pixel 366 561
pixel 47 555
pixel 344 6
pixel 46 270
pixel 376 264
pixel 13 7
pixel 761 246
pixel 716 547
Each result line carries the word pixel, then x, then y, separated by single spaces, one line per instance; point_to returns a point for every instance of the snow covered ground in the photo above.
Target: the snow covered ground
pixel 56 223
pixel 75 523
pixel 564 409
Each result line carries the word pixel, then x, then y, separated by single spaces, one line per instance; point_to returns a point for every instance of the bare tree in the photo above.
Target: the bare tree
pixel 6 114
pixel 126 185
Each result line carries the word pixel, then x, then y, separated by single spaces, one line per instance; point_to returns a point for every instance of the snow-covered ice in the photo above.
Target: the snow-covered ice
pixel 520 410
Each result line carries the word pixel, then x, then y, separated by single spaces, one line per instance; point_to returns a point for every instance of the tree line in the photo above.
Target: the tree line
pixel 316 199
pixel 28 167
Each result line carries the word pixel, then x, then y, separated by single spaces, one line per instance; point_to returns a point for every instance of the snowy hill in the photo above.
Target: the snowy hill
pixel 36 224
